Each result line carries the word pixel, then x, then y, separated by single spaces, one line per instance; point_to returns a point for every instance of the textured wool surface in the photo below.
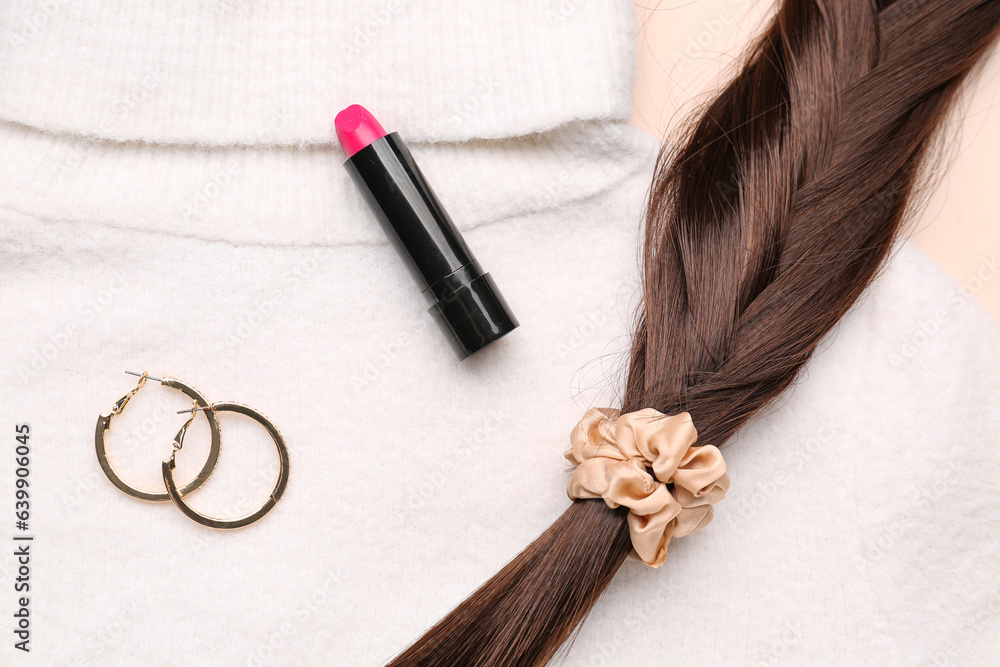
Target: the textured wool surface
pixel 210 234
pixel 226 72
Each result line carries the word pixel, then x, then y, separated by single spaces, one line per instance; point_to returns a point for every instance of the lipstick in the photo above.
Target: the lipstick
pixel 462 297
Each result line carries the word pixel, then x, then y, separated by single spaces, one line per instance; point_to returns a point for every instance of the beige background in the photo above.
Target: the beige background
pixel 688 47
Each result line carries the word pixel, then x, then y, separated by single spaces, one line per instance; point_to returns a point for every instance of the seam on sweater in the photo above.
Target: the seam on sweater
pixel 45 220
pixel 331 143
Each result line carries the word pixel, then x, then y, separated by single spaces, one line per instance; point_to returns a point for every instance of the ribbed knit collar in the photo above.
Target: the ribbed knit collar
pixel 235 72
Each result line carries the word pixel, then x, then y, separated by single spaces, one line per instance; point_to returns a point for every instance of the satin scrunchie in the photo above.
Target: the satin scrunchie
pixel 612 452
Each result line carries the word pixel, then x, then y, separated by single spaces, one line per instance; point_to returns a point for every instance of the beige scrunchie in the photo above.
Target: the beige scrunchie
pixel 612 451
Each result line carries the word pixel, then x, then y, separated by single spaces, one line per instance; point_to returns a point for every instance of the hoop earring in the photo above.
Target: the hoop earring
pixel 104 423
pixel 279 487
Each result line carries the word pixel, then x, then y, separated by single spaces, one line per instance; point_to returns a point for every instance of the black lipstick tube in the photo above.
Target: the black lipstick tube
pixel 463 299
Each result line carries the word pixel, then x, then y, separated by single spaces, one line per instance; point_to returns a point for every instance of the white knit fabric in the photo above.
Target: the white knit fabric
pixel 208 232
pixel 246 72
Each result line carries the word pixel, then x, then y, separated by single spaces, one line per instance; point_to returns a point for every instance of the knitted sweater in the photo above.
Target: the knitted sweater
pixel 172 200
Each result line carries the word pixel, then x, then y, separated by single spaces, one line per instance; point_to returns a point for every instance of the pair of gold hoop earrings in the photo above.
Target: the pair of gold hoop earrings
pixel 173 493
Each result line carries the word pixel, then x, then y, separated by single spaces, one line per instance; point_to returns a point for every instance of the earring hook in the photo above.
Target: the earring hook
pixel 206 408
pixel 123 401
pixel 179 438
pixel 145 375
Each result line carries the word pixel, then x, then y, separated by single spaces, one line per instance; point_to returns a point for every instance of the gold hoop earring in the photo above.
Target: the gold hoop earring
pixel 104 423
pixel 279 487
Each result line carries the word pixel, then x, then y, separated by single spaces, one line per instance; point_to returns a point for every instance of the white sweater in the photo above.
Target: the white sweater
pixel 172 200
